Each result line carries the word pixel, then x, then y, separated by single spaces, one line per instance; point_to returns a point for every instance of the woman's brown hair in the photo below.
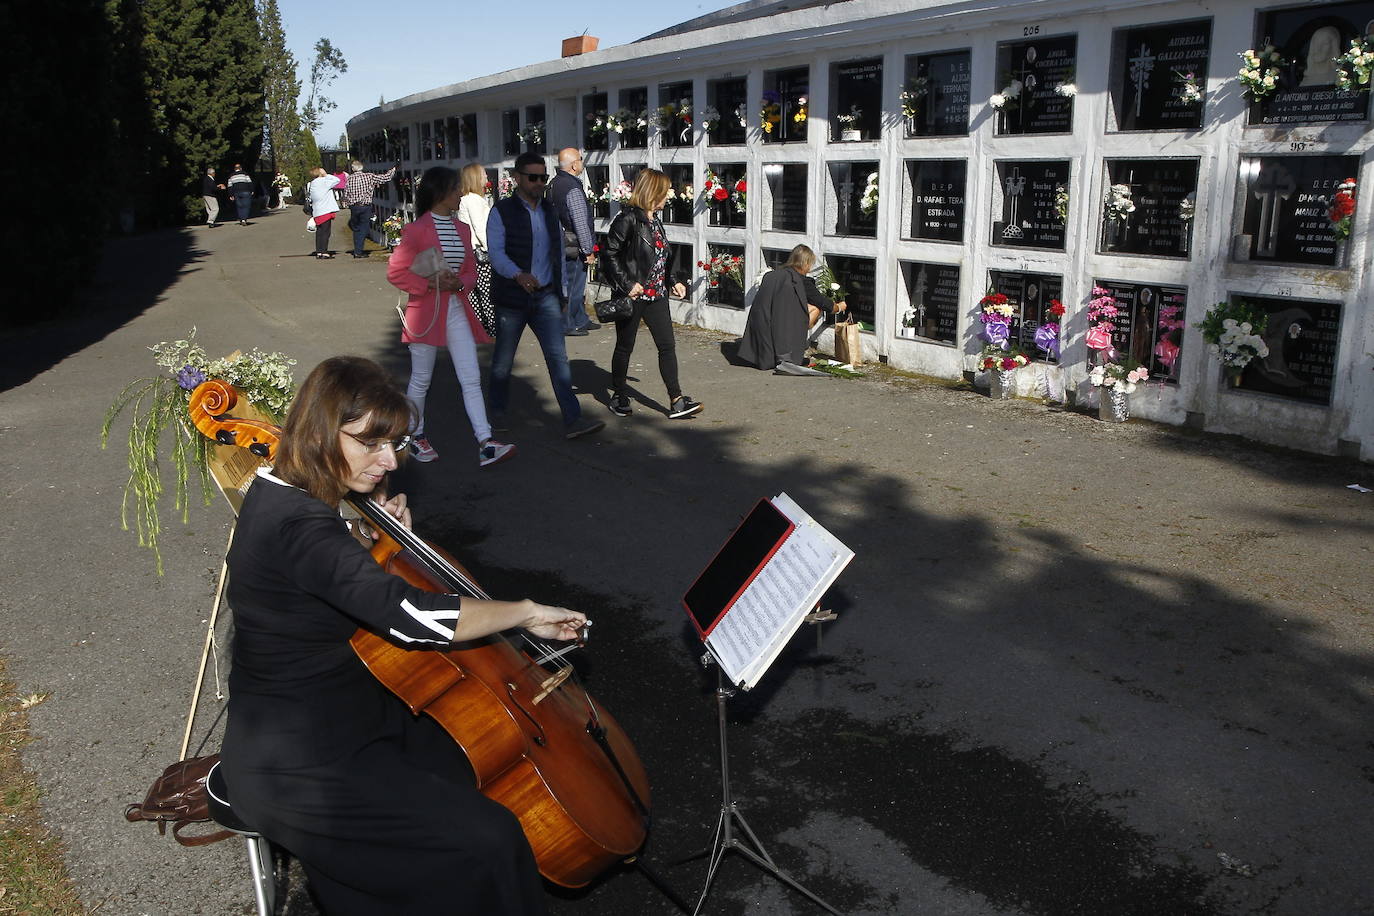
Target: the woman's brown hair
pixel 473 179
pixel 650 186
pixel 338 391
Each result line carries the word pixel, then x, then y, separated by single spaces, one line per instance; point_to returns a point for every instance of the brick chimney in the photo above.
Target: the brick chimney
pixel 579 45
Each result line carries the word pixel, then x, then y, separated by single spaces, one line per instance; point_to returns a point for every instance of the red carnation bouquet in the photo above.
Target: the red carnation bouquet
pixel 1341 208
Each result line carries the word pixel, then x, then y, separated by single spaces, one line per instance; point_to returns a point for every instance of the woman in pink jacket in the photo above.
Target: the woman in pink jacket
pixel 437 313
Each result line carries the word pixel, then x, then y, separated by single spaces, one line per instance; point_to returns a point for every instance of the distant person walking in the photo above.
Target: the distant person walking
pixel 439 312
pixel 357 197
pixel 241 189
pixel 526 262
pixel 209 192
pixel 324 206
pixel 575 216
pixel 474 211
pixel 638 264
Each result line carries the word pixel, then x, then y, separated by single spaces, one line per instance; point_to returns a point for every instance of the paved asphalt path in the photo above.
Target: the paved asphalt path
pixel 1078 668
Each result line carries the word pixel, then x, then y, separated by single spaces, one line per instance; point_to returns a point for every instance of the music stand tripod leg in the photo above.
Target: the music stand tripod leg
pixel 725 839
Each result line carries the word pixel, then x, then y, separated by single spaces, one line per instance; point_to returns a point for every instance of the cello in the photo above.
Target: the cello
pixel 537 742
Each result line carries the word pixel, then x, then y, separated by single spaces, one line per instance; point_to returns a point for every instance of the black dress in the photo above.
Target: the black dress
pixel 775 331
pixel 379 805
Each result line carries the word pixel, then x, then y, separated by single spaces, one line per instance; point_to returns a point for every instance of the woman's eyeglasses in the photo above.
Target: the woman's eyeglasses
pixel 374 446
pixel 539 177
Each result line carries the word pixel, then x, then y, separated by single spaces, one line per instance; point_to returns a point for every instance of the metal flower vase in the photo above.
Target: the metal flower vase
pixel 1114 406
pixel 1002 383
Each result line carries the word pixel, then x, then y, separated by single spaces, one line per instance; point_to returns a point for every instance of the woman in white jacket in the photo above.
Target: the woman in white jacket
pixel 323 207
pixel 473 210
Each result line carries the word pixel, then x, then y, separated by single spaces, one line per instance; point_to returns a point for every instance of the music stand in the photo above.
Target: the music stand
pixel 814 561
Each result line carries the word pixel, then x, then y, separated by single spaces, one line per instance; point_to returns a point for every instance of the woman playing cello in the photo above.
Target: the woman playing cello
pixel 378 805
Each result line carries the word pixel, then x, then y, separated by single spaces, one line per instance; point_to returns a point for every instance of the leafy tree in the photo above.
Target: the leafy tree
pixel 305 157
pixel 328 64
pixel 281 89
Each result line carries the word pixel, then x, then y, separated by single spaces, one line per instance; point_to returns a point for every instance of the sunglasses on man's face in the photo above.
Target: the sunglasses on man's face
pixel 538 177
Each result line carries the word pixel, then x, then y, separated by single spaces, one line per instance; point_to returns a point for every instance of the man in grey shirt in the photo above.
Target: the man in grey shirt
pixel 575 216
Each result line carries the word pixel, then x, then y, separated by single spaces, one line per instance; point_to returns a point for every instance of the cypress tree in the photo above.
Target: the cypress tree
pixel 281 91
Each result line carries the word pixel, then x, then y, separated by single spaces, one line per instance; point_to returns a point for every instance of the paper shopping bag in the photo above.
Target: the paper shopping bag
pixel 848 347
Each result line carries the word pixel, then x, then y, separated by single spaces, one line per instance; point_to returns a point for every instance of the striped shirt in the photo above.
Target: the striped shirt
pixel 450 241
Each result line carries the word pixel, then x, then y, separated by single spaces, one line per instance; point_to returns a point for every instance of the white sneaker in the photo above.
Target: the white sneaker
pixel 422 450
pixel 492 451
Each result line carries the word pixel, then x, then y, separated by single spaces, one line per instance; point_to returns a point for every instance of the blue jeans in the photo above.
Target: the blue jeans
pixel 544 315
pixel 575 287
pixel 359 220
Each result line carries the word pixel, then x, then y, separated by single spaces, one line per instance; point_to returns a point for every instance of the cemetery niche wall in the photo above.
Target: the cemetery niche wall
pixel 1030 294
pixel 1120 149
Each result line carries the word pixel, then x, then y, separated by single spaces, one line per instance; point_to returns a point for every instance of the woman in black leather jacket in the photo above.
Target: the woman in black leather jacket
pixel 638 264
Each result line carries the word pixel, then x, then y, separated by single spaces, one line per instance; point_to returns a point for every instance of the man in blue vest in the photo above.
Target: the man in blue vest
pixel 525 244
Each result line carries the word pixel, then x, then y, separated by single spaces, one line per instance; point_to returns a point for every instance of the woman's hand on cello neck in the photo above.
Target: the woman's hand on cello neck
pixel 394 506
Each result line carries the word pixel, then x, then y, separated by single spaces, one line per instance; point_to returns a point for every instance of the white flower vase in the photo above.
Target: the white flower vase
pixel 1113 406
pixel 1002 383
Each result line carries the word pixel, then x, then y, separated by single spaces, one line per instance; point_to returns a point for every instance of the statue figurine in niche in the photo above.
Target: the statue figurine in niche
pixel 1322 49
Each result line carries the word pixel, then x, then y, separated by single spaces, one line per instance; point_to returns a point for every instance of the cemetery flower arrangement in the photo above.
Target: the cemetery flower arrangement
pixel 739 194
pixel 1102 312
pixel 713 190
pixel 158 403
pixel 506 185
pixel 664 115
pixel 1061 204
pixel 626 119
pixel 281 181
pixel 723 265
pixel 1122 376
pixel 916 89
pixel 1119 203
pixel 1006 99
pixel 709 118
pixel 1354 67
pixel 597 123
pixel 829 284
pixel 1189 89
pixel 799 116
pixel 1234 334
pixel 1341 208
pixel 868 203
pixel 770 111
pixel 849 120
pixel 1067 90
pixel 742 114
pixel 995 311
pixel 533 134
pixel 621 192
pixel 1260 71
pixel 392 226
pixel 1047 335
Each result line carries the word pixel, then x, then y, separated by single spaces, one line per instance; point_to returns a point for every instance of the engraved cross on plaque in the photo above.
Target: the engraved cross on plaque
pixel 846 202
pixel 1141 66
pixel 919 294
pixel 1016 186
pixel 1272 185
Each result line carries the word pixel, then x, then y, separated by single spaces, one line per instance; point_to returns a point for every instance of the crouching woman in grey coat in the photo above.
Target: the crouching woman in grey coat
pixel 786 307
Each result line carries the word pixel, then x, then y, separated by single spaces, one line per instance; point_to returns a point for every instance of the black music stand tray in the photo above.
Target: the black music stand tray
pixel 747 844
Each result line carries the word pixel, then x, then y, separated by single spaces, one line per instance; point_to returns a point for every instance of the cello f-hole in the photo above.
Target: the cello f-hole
pixel 539 739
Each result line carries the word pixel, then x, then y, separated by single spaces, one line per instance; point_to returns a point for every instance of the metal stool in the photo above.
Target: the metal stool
pixel 259 847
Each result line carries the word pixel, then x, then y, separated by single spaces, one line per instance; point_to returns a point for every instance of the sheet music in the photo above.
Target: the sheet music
pixel 755 629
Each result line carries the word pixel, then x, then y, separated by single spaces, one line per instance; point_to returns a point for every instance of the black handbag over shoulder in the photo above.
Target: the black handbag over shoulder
pixel 613 309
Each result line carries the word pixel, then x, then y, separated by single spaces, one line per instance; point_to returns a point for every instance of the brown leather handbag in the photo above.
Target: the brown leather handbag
pixel 179 797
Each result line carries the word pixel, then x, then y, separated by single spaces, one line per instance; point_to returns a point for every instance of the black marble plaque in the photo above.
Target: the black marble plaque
pixel 932 311
pixel 684 263
pixel 674 131
pixel 1148 73
pixel 469 132
pixel 598 178
pixel 680 205
pixel 775 257
pixel 1303 338
pixel 728 292
pixel 858 277
pixel 790 90
pixel 510 132
pixel 858 84
pixel 1159 188
pixel 594 107
pixel 1308 37
pixel 1029 218
pixel 1040 66
pixel 730 98
pixel 1149 325
pixel 847 183
pixel 937 198
pixel 1030 295
pixel 1286 202
pixel 788 189
pixel 534 114
pixel 943 110
pixel 636 101
pixel 725 212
